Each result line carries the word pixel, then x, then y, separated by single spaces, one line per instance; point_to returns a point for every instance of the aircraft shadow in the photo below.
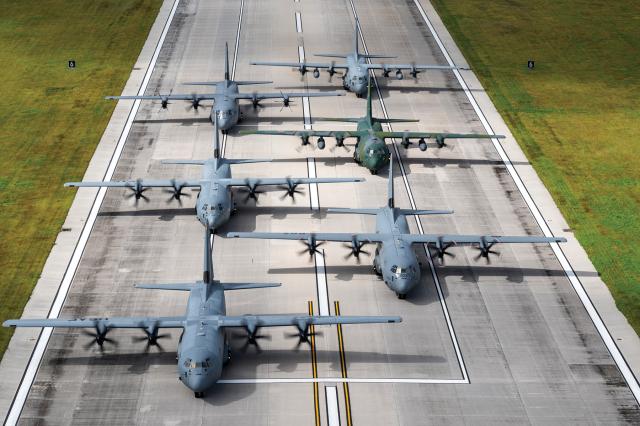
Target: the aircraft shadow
pixel 162 214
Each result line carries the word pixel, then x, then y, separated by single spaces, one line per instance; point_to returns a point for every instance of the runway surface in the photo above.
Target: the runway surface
pixel 508 342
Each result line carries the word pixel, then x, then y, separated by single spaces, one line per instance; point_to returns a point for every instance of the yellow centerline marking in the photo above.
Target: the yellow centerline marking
pixel 343 367
pixel 314 367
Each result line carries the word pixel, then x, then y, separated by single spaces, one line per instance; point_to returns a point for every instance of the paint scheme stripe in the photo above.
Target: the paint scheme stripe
pixel 615 352
pixel 36 357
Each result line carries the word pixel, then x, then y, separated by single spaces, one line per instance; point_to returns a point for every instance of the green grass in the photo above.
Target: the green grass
pixel 577 115
pixel 52 118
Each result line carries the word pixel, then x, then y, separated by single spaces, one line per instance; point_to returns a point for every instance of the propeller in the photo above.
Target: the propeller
pixel 99 337
pixel 355 249
pixel 255 101
pixel 311 246
pixel 303 334
pixel 291 189
pixel 405 141
pixel 194 103
pixel 305 139
pixel 331 70
pixel 251 188
pixel 385 71
pixel 251 338
pixel 414 72
pixel 441 250
pixel 151 337
pixel 440 141
pixel 176 192
pixel 286 102
pixel 138 191
pixel 164 100
pixel 485 250
pixel 340 143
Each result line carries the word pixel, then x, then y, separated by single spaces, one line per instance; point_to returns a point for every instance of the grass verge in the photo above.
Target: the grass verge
pixel 576 115
pixel 52 118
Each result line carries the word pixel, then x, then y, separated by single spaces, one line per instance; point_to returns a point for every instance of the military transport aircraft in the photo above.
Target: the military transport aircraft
pixel 226 97
pixel 215 201
pixel 371 151
pixel 394 258
pixel 356 67
pixel 203 348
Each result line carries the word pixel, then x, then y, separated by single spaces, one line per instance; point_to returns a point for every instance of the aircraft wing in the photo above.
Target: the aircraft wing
pixel 285 95
pixel 304 133
pixel 301 321
pixel 179 97
pixel 101 323
pixel 283 181
pixel 435 135
pixel 410 67
pixel 482 240
pixel 300 64
pixel 305 236
pixel 140 183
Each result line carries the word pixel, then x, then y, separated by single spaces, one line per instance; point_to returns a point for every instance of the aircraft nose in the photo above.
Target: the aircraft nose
pixel 197 382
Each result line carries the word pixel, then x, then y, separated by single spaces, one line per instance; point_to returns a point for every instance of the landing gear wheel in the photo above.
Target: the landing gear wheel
pixel 401 296
pixel 377 270
pixel 198 394
pixel 373 172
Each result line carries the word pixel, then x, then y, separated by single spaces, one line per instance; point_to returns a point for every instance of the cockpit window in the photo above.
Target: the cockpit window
pixel 196 364
pixel 219 206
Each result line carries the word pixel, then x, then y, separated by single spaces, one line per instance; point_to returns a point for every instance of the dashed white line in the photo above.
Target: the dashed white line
pixel 564 262
pixel 298 22
pixel 333 411
pixel 36 357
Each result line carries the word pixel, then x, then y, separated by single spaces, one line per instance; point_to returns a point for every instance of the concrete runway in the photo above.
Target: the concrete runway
pixel 528 351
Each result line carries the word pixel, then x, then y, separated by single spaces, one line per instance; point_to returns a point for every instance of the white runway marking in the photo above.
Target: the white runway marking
pixel 321 283
pixel 36 357
pixel 298 22
pixel 333 411
pixel 443 303
pixel 564 262
pixel 306 107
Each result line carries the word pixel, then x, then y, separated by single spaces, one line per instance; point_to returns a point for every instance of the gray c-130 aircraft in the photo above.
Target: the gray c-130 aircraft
pixel 225 99
pixel 356 68
pixel 203 348
pixel 394 257
pixel 215 201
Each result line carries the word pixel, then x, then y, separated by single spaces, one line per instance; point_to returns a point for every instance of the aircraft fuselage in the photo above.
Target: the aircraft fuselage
pixel 203 348
pixel 226 106
pixel 394 258
pixel 215 201
pixel 371 151
pixel 356 77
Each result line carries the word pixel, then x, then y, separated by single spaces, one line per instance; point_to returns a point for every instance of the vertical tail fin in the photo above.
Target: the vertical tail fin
pixel 390 201
pixel 216 139
pixel 226 61
pixel 369 108
pixel 207 275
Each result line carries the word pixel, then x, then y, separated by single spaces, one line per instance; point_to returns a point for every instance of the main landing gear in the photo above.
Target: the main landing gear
pixel 401 296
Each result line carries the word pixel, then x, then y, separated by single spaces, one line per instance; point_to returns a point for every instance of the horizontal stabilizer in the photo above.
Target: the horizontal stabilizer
pixel 247 83
pixel 176 286
pixel 409 212
pixel 393 120
pixel 248 161
pixel 377 56
pixel 343 120
pixel 195 162
pixel 331 55
pixel 354 211
pixel 202 83
pixel 248 286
